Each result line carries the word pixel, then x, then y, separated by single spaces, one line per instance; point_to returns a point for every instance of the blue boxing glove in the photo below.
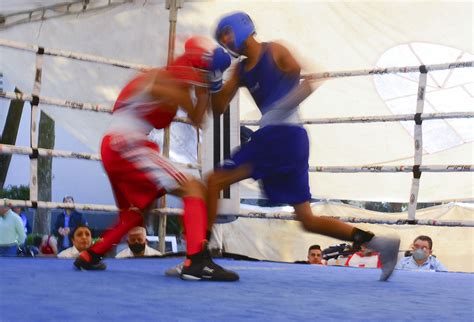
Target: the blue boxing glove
pixel 220 62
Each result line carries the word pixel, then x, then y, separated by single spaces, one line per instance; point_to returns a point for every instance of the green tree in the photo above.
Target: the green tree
pixel 21 192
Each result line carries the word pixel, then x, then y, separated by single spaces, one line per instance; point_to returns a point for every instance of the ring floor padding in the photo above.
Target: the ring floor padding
pixel 40 289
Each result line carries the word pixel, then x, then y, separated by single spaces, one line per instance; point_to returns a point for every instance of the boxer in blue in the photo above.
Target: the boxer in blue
pixel 278 152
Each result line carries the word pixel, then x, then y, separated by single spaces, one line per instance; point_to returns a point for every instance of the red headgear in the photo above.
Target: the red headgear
pixel 193 65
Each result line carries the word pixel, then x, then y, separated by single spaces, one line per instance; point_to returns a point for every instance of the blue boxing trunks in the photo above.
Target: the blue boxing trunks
pixel 279 156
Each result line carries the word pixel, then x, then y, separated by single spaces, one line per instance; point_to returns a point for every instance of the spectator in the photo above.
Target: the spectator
pixel 364 258
pixel 421 259
pixel 137 245
pixel 26 224
pixel 12 233
pixel 81 240
pixel 66 223
pixel 315 255
pixel 49 246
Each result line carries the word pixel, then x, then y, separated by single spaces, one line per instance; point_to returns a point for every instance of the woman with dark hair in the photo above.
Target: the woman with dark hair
pixel 81 240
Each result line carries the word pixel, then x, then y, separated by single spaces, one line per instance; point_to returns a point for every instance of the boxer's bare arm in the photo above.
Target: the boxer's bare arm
pixel 162 86
pixel 203 102
pixel 221 99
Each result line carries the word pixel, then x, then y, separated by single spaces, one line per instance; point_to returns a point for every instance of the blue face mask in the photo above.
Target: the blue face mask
pixel 419 254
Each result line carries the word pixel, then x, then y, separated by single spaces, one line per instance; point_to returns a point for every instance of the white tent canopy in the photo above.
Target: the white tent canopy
pixel 334 36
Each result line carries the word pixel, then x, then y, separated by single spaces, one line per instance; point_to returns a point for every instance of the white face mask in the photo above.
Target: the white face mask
pixel 419 254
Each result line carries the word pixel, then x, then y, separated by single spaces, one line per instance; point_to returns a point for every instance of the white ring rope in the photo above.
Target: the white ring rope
pixel 54 205
pixel 35 99
pixel 13 149
pixel 23 150
pixel 291 216
pixel 378 118
pixel 427 222
pixel 242 213
pixel 394 168
pixel 388 70
pixel 313 76
pixel 57 102
pixel 351 119
pixel 70 104
pixel 72 55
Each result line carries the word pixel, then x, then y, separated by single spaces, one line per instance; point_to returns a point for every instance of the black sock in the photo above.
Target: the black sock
pixel 359 236
pixel 94 257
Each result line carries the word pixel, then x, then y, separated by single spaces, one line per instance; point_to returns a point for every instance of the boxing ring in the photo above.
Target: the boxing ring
pixel 416 169
pixel 138 290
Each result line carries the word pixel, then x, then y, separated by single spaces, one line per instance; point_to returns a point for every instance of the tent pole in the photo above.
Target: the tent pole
pixel 172 6
pixel 418 137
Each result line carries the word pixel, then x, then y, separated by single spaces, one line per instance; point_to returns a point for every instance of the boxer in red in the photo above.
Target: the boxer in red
pixel 139 174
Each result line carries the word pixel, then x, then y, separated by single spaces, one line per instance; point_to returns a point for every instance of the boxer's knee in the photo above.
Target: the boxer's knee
pixel 194 188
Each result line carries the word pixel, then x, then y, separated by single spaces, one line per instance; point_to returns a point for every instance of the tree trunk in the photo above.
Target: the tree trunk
pixel 9 135
pixel 42 222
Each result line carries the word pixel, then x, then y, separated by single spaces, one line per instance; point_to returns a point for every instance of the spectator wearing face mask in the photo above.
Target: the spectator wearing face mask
pixel 137 245
pixel 421 259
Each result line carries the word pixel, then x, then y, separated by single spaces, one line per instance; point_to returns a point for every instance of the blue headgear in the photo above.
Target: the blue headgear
pixel 240 25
